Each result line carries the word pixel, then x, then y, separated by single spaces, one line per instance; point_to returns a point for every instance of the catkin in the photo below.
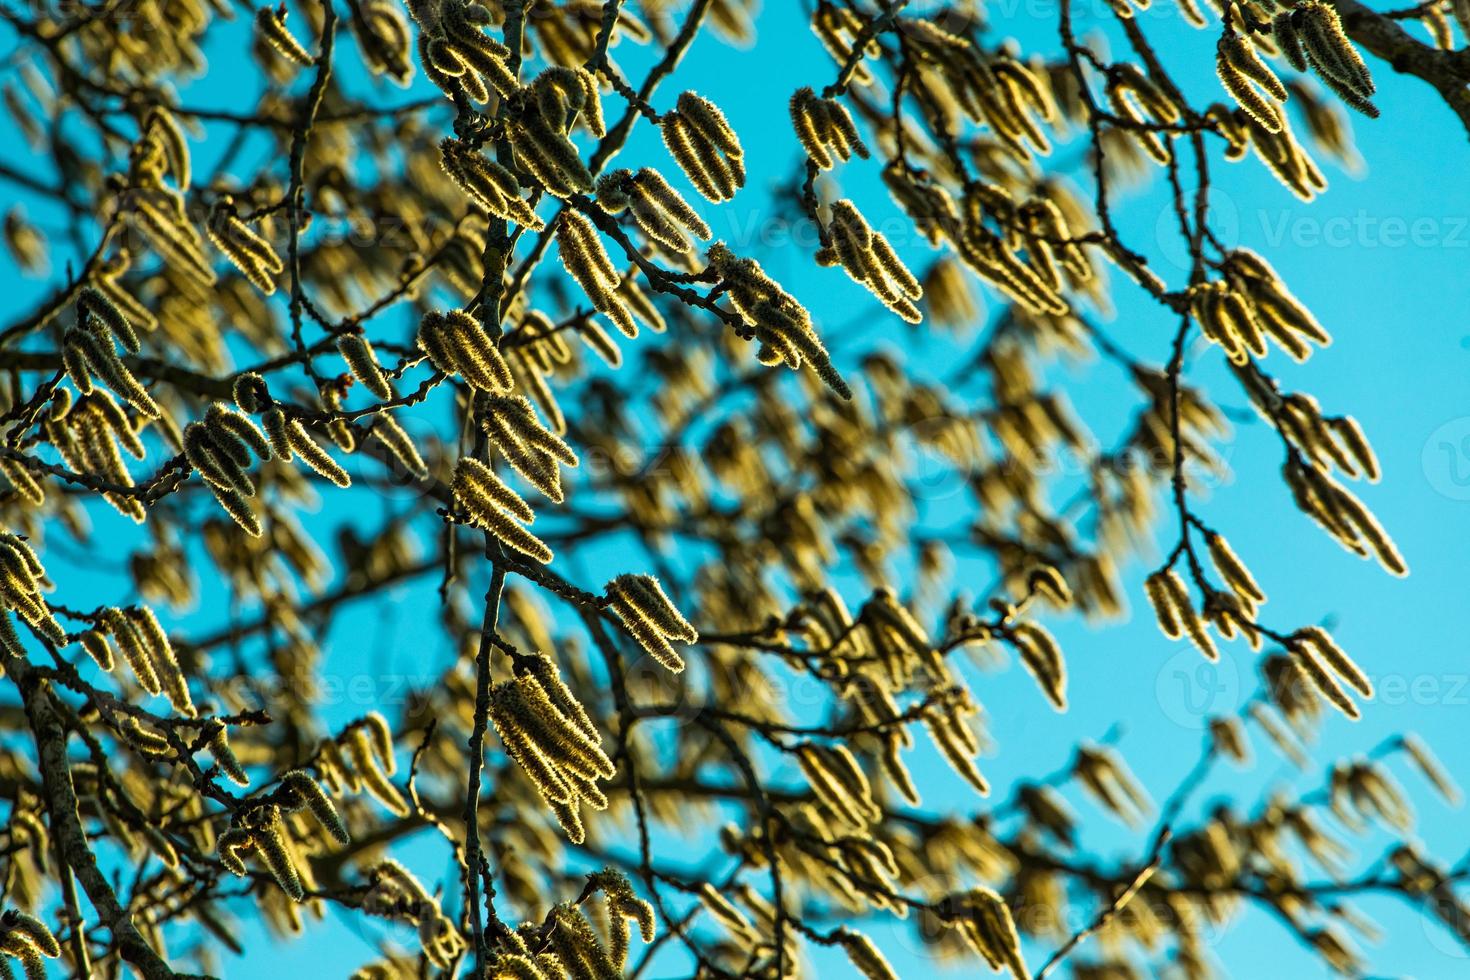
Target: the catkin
pixel 1334 657
pixel 368 764
pixel 288 437
pixel 867 257
pixel 1042 657
pixel 533 450
pixel 88 351
pixel 987 925
pixel 560 756
pixel 825 129
pixel 358 353
pixel 1238 66
pixel 493 186
pixel 400 445
pixel 650 617
pixel 253 255
pixel 701 141
pixel 781 324
pixel 457 344
pixel 271 23
pixel 311 796
pixel 490 503
pixel 660 211
pixel 224 756
pixel 582 255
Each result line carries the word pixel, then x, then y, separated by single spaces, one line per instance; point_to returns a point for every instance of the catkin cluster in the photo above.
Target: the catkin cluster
pixel 545 729
pixel 1279 150
pixel 361 758
pixel 456 343
pixel 246 250
pixel 580 954
pixel 456 53
pixel 825 129
pixel 782 325
pixel 992 89
pixel 582 255
pixel 384 39
pixel 840 785
pixel 158 213
pixel 984 920
pixel 532 450
pixel 490 503
pixel 705 147
pixel 1325 664
pixel 838 28
pixel 1362 791
pixel 1327 441
pixel 1102 772
pixel 1175 612
pixel 496 189
pixel 1311 34
pixel 26 938
pixel 566 34
pixel 660 211
pixel 395 893
pixel 146 649
pixel 866 256
pixel 21 580
pixel 1341 514
pixel 1241 70
pixel 1133 97
pixel 88 433
pixel 89 349
pixel 1251 305
pixel 162 148
pixel 1042 226
pixel 262 832
pixel 650 617
pixel 623 906
pixel 220 447
pixel 540 117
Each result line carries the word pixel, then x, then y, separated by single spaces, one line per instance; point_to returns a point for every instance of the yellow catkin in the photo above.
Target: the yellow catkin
pixel 271 22
pixel 358 353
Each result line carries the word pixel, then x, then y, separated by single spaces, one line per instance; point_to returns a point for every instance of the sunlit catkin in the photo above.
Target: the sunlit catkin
pixel 584 258
pixel 867 257
pixel 358 353
pixel 660 211
pixel 305 791
pixel 781 324
pixel 490 503
pixel 1238 65
pixel 985 921
pixel 1042 658
pixel 825 129
pixel 701 141
pixel 650 617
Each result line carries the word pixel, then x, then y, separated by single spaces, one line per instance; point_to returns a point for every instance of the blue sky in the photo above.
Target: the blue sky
pixel 1381 259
